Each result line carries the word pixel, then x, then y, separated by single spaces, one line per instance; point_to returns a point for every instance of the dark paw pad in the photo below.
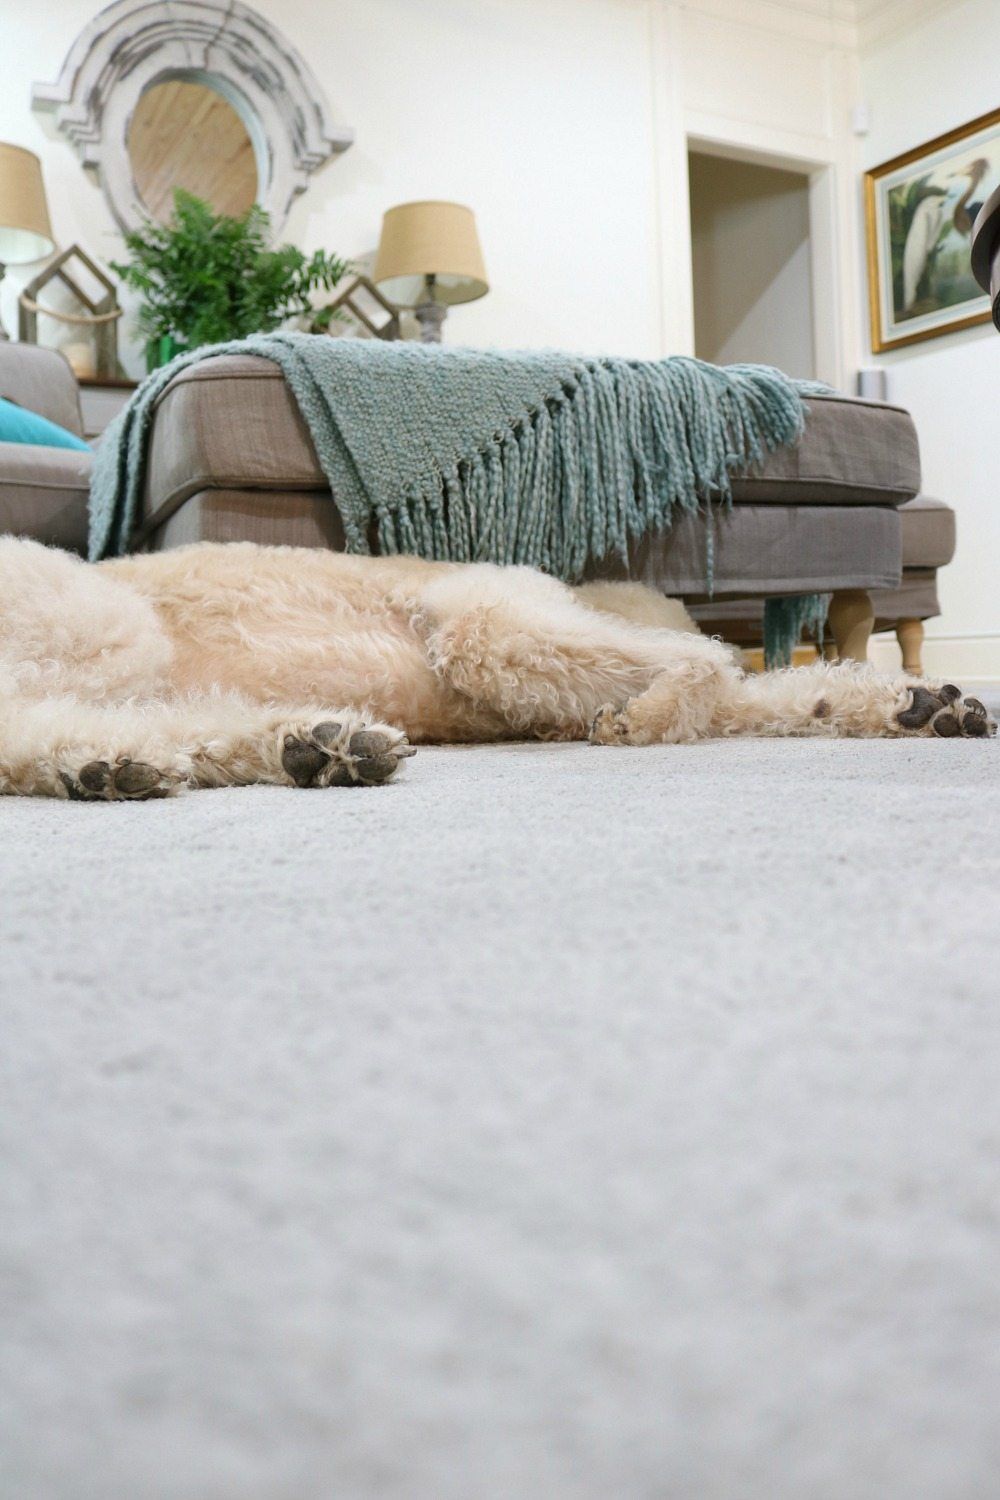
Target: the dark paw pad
pixel 320 757
pixel 374 760
pixel 975 727
pixel 967 718
pixel 327 733
pixel 923 706
pixel 95 777
pixel 127 780
pixel 303 762
pixel 92 789
pixel 134 778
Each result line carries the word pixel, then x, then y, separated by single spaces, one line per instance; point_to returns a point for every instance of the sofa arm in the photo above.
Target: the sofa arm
pixel 43 494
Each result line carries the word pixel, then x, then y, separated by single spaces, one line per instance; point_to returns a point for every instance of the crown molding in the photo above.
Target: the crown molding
pixel 829 23
pixel 879 21
pixel 851 24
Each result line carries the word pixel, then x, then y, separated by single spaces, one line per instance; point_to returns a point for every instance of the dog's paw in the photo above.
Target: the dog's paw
pixel 334 753
pixel 124 781
pixel 946 713
pixel 631 725
pixel 610 727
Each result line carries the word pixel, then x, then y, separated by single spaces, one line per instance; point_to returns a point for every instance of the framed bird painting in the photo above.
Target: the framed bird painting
pixel 919 212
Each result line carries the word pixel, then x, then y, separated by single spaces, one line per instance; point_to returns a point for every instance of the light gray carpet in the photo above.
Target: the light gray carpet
pixel 554 1123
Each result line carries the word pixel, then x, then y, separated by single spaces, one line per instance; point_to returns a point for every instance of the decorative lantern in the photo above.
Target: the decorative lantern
pixel 83 318
pixel 362 305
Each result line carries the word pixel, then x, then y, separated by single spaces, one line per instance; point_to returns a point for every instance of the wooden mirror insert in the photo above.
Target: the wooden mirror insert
pixel 185 134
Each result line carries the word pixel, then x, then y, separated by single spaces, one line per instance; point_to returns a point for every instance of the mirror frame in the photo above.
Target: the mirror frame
pixel 220 43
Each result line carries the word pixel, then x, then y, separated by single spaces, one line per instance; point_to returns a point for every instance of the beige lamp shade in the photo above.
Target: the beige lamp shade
pixel 25 231
pixel 422 240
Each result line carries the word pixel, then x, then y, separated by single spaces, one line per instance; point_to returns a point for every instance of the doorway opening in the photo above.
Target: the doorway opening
pixel 751 264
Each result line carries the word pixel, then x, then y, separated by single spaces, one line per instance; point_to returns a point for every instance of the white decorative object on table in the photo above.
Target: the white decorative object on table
pixel 80 357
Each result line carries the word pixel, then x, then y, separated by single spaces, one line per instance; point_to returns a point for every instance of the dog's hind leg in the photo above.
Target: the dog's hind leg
pixel 59 747
pixel 841 699
pixel 852 700
pixel 62 747
pixel 845 699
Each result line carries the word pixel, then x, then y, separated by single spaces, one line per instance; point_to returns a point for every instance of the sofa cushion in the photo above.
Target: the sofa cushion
pixel 768 549
pixel 271 518
pixel 40 380
pixel 43 494
pixel 232 423
pixel 928 533
pixel 852 452
pixel 759 549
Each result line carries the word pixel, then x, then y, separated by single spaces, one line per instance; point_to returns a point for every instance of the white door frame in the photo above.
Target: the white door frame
pixel 825 261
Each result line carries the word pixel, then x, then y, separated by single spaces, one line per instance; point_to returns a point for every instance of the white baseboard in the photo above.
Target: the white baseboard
pixel 964 658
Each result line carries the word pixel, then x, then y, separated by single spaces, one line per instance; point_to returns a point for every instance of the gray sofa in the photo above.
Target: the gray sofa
pixel 43 491
pixel 231 460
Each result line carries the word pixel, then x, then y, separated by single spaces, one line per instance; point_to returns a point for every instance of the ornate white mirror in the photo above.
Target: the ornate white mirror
pixel 200 94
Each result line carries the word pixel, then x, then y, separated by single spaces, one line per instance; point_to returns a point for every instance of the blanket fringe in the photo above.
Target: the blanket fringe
pixel 784 621
pixel 619 450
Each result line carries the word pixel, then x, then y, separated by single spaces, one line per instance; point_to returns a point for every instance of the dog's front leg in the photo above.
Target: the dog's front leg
pixel 59 747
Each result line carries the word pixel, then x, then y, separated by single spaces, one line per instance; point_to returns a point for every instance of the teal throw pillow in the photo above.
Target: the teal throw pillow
pixel 18 425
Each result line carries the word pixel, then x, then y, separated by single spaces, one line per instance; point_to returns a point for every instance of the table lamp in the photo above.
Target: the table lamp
pixel 25 232
pixel 428 258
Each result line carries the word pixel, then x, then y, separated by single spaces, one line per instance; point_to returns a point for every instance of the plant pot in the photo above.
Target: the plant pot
pixel 162 350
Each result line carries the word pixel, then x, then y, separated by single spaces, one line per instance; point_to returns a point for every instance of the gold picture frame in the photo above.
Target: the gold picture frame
pixel 919 209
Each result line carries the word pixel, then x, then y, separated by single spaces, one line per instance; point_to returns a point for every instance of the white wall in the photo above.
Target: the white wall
pixel 564 124
pixel 919 83
pixel 535 112
pixel 750 254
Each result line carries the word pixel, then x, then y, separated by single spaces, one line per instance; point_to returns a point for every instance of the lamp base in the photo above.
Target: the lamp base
pixel 430 316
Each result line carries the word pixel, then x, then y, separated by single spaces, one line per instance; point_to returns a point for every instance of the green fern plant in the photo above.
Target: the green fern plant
pixel 206 277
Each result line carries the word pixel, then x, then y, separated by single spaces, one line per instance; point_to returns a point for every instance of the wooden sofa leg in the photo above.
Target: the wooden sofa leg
pixel 851 620
pixel 910 635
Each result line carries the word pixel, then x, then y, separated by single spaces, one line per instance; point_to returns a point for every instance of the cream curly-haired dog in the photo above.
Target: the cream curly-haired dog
pixel 219 665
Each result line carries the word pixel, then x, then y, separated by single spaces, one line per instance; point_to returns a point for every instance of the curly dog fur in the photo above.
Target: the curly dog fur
pixel 219 665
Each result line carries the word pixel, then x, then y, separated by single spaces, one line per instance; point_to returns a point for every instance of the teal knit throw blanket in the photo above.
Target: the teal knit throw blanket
pixel 477 455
